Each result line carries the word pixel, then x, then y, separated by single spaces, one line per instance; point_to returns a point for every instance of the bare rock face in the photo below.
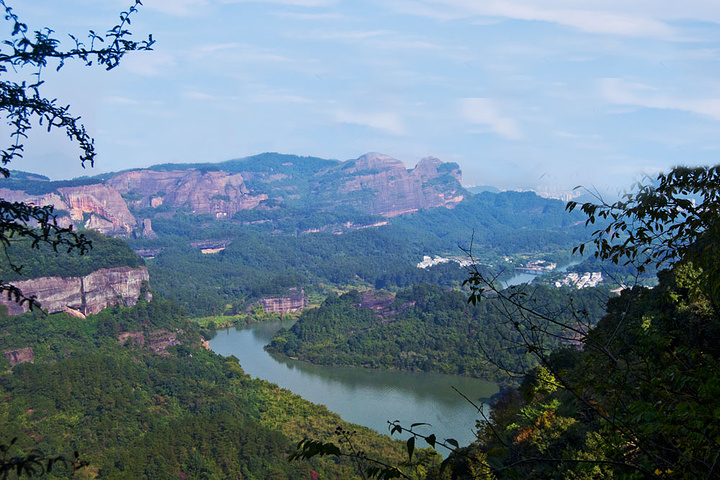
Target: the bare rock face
pixel 294 302
pixel 108 212
pixel 373 183
pixel 21 355
pixel 85 295
pixel 53 199
pixel 217 193
pixel 147 231
pixel 382 185
pixel 111 286
pixel 157 341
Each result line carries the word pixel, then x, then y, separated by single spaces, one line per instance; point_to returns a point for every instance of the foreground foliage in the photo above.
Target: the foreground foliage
pixel 132 412
pixel 23 56
pixel 639 397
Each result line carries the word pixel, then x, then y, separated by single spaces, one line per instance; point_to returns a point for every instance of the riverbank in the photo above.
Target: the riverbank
pixel 366 397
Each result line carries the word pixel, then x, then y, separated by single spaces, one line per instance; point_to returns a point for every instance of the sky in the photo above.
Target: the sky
pixel 522 94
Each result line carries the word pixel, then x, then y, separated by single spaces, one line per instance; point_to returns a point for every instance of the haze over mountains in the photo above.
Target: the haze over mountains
pixel 121 203
pixel 371 221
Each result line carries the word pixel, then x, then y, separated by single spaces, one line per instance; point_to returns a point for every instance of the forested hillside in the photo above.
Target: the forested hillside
pixel 44 261
pixel 426 328
pixel 133 392
pixel 266 258
pixel 640 400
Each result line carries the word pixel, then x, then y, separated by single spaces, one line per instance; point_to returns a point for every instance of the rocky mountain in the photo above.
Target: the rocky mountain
pixel 381 185
pixel 217 193
pixel 124 203
pixel 80 296
pixel 97 207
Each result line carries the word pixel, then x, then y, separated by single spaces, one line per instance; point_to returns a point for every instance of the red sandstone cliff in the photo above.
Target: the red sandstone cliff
pixel 217 193
pixel 86 295
pixel 100 207
pixel 373 183
pixel 383 186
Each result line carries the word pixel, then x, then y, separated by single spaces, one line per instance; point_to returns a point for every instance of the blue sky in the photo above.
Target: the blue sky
pixel 542 94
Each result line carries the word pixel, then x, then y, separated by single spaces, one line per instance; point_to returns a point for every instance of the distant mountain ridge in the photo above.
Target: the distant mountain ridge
pixel 124 203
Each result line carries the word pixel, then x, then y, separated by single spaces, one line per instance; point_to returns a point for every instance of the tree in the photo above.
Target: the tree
pixel 640 398
pixel 26 53
pixel 638 394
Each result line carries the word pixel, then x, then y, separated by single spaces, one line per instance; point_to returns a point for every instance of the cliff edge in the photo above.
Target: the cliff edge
pixel 85 295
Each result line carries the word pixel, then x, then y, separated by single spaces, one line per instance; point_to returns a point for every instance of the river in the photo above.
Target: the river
pixel 359 395
pixel 524 277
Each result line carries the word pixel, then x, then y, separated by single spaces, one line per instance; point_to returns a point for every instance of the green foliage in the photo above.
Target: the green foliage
pixel 269 257
pixel 37 228
pixel 34 463
pixel 21 103
pixel 135 413
pixel 44 260
pixel 640 400
pixel 423 328
pixel 662 222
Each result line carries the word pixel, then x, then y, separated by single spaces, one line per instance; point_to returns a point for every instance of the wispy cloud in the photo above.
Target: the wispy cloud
pixel 297 3
pixel 375 39
pixel 240 52
pixel 350 35
pixel 149 64
pixel 115 100
pixel 176 7
pixel 280 98
pixel 602 18
pixel 388 122
pixel 486 111
pixel 310 16
pixel 622 92
pixel 197 95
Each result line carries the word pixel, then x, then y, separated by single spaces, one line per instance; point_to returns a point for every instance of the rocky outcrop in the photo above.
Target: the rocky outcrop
pixel 217 193
pixel 61 208
pixel 147 231
pixel 85 295
pixel 157 341
pixel 21 355
pixel 373 183
pixel 293 302
pixel 100 207
pixel 97 207
pixel 381 185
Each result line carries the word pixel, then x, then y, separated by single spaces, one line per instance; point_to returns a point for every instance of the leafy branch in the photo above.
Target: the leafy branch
pixel 34 463
pixel 22 102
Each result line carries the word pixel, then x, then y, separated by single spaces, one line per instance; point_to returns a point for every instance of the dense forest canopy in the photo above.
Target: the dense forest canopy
pixel 640 398
pixel 424 328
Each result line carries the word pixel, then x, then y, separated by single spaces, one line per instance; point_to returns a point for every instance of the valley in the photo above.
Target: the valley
pixel 339 248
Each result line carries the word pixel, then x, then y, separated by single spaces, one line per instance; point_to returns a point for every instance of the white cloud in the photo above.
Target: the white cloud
pixel 240 52
pixel 376 39
pixel 196 95
pixel 176 7
pixel 600 17
pixel 353 35
pixel 486 111
pixel 149 64
pixel 115 100
pixel 388 122
pixel 279 98
pixel 621 92
pixel 310 16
